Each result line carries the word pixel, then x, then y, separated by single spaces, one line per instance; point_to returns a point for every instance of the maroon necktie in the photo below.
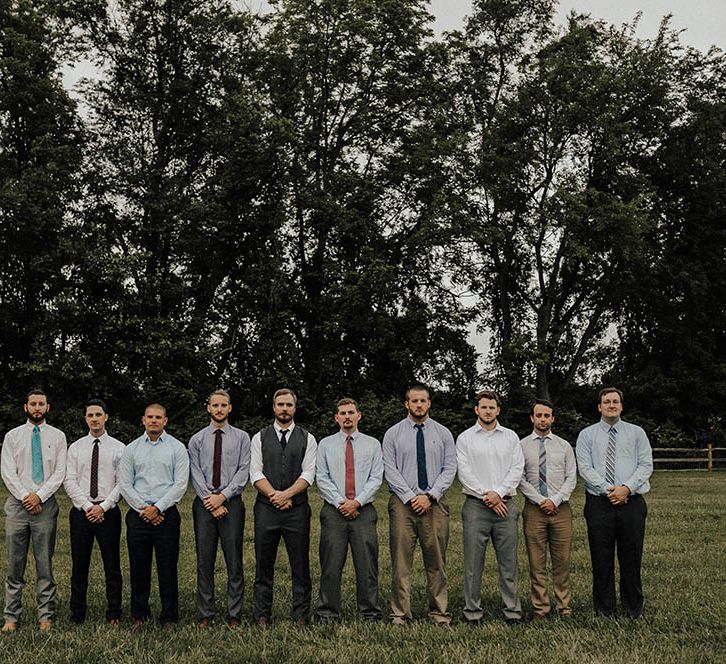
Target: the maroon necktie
pixel 94 470
pixel 217 464
pixel 349 470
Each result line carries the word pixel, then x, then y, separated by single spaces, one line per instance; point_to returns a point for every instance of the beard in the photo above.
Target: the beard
pixel 36 419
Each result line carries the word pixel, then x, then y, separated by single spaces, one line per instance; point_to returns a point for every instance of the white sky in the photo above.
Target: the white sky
pixel 704 21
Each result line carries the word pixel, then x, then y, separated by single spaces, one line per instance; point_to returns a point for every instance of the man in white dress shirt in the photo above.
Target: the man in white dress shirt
pixel 33 465
pixel 92 484
pixel 550 476
pixel 490 465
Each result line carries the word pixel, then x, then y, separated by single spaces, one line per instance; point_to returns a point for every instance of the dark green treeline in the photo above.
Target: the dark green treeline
pixel 332 197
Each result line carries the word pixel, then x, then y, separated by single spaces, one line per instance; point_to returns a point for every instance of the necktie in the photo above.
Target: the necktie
pixel 37 456
pixel 217 462
pixel 423 481
pixel 542 468
pixel 283 442
pixel 349 470
pixel 610 458
pixel 94 470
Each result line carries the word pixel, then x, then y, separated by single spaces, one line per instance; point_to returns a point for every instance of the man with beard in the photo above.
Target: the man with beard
pixel 219 457
pixel 490 464
pixel 616 462
pixel 282 467
pixel 419 459
pixel 550 475
pixel 349 473
pixel 92 484
pixel 154 476
pixel 33 465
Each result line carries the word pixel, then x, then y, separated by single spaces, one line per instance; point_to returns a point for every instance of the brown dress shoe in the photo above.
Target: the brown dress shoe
pixel 45 626
pixel 203 623
pixel 233 623
pixel 10 627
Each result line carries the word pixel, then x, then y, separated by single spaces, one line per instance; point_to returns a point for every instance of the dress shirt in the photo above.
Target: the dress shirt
pixel 235 465
pixel 17 461
pixel 489 460
pixel 308 464
pixel 154 472
pixel 561 469
pixel 367 463
pixel 78 472
pixel 633 457
pixel 401 466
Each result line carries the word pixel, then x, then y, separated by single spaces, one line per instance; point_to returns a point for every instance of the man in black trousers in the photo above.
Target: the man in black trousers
pixel 92 484
pixel 616 461
pixel 282 467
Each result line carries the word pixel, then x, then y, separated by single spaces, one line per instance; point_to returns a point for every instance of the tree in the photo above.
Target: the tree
pixel 363 116
pixel 41 142
pixel 559 204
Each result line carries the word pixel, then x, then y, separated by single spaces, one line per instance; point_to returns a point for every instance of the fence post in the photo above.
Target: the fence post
pixel 710 457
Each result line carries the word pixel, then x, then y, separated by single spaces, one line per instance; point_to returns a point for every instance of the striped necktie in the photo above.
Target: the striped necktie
pixel 610 457
pixel 542 468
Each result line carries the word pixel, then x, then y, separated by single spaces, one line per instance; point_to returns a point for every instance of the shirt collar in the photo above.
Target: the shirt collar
pixel 478 428
pixel 41 426
pixel 415 424
pixel 225 429
pixel 279 429
pixel 161 439
pixel 606 427
pixel 101 438
pixel 536 436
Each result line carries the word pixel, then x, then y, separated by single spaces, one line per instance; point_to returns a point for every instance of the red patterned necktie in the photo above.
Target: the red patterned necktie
pixel 349 470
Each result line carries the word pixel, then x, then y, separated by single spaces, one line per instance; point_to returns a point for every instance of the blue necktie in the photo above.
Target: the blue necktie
pixel 542 468
pixel 37 456
pixel 423 480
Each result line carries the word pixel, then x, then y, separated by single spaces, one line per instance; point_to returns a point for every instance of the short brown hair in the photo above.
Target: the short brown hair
pixel 488 394
pixel 282 391
pixel 542 402
pixel 608 390
pixel 418 387
pixel 346 401
pixel 219 393
pixel 36 392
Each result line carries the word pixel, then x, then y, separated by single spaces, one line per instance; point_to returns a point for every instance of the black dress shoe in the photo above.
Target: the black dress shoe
pixel 513 621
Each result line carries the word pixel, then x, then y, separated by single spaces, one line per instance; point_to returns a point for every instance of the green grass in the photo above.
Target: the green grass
pixel 684 578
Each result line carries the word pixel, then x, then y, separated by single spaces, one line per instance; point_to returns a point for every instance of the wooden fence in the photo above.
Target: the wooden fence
pixel 689 458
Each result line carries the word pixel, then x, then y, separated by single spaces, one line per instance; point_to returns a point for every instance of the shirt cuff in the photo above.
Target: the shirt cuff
pixel 256 477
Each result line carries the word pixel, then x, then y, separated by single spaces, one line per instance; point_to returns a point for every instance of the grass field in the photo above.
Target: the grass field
pixel 684 580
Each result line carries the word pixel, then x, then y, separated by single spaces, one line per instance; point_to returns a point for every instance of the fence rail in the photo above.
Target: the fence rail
pixel 679 458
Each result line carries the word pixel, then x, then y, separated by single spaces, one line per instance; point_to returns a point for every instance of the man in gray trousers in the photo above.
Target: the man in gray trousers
pixel 219 459
pixel 33 467
pixel 349 472
pixel 490 463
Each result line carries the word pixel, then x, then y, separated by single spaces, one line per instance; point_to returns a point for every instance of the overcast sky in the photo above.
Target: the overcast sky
pixel 704 21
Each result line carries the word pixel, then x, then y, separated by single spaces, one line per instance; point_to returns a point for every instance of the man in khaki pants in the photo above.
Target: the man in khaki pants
pixel 550 475
pixel 419 460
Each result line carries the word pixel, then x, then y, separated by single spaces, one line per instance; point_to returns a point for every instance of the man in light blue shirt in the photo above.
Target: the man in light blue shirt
pixel 349 472
pixel 154 474
pixel 419 461
pixel 615 460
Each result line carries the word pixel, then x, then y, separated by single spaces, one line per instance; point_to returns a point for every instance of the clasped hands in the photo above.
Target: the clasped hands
pixel 215 503
pixel 349 509
pixel 152 515
pixel 548 507
pixel 32 503
pixel 495 503
pixel 280 499
pixel 618 495
pixel 421 503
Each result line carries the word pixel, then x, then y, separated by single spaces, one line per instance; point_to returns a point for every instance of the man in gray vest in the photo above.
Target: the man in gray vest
pixel 282 468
